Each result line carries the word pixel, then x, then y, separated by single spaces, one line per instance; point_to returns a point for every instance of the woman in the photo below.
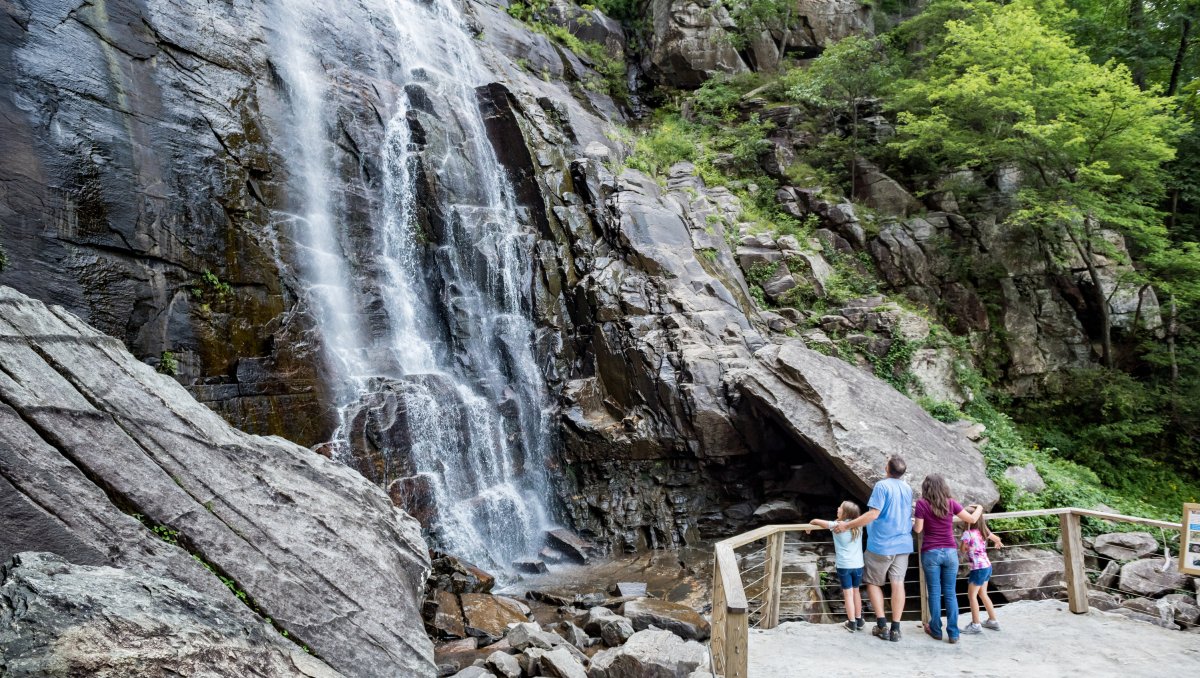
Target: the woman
pixel 934 517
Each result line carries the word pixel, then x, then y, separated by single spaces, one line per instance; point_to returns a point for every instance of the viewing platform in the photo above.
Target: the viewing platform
pixel 1065 608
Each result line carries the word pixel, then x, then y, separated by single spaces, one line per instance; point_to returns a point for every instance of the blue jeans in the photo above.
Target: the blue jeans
pixel 941 569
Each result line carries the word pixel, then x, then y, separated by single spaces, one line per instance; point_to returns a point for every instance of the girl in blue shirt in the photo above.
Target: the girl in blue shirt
pixel 849 562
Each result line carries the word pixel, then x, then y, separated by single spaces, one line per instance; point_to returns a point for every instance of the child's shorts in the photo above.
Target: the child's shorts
pixel 850 577
pixel 980 577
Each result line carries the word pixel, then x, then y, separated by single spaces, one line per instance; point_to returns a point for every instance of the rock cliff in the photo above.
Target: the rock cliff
pixel 679 408
pixel 105 462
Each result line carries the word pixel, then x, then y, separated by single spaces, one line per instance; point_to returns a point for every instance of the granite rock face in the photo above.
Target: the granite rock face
pixel 96 449
pixel 59 619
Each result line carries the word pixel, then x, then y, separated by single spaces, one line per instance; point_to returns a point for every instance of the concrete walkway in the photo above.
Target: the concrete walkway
pixel 1038 640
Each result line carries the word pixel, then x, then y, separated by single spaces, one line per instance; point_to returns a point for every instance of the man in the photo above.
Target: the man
pixel 889 543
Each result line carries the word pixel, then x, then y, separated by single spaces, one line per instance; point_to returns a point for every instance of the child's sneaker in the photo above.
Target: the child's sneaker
pixel 850 625
pixel 972 629
pixel 860 624
pixel 992 624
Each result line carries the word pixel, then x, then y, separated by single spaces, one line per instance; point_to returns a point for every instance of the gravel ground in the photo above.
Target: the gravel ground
pixel 1037 640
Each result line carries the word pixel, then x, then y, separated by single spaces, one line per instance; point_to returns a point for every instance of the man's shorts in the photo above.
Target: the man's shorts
pixel 882 569
pixel 980 577
pixel 850 577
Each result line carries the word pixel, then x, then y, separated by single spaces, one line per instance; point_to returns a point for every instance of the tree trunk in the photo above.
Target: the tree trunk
pixel 1137 20
pixel 1172 329
pixel 1180 54
pixel 1085 253
pixel 787 34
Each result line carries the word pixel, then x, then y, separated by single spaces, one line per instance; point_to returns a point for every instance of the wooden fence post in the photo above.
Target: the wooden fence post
pixel 1073 567
pixel 773 580
pixel 730 618
pixel 924 593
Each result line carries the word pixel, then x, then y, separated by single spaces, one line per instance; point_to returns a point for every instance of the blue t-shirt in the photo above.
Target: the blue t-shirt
pixel 848 549
pixel 891 533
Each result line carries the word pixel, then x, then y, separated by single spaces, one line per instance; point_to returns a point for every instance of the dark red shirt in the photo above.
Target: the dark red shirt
pixel 939 532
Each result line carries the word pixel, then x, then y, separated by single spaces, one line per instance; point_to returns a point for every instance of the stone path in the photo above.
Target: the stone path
pixel 1039 639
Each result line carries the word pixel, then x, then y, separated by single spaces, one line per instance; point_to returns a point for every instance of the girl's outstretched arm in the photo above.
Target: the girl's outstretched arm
pixel 995 539
pixel 827 524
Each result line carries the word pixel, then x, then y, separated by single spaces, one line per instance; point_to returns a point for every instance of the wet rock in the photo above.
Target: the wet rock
pixel 444 615
pixel 487 618
pixel 514 604
pixel 1125 546
pixel 451 573
pixel 458 646
pixel 1025 477
pixel 338 566
pixel 57 618
pixel 570 543
pixel 681 620
pixel 627 588
pixel 1146 577
pixel 530 566
pixel 1023 573
pixel 649 654
pixel 777 511
pixel 504 665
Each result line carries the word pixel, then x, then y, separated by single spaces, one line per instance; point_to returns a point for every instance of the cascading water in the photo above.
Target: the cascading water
pixel 456 349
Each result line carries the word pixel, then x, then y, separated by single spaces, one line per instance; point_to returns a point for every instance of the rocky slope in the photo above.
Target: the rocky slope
pixel 105 462
pixel 681 409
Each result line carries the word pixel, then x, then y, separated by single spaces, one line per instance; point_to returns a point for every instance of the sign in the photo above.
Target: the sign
pixel 1189 542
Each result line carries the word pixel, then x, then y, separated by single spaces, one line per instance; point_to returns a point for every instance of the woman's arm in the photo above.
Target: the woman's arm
pixel 972 516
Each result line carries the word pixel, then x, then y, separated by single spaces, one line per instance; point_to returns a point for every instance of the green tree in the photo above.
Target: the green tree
pixel 847 73
pixel 1008 91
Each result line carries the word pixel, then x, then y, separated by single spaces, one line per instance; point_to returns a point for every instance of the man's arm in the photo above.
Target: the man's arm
pixel 865 519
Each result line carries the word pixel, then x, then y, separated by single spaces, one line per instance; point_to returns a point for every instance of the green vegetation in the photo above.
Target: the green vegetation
pixel 1091 110
pixel 167 364
pixel 611 68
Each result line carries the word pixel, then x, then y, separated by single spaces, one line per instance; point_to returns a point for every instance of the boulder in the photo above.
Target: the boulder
pixel 1136 615
pixel 881 192
pixel 629 588
pixel 1123 546
pixel 561 663
pixel 473 672
pixel 689 42
pixel 1023 573
pixel 572 634
pixel 451 573
pixel 777 511
pixel 60 619
pixel 681 620
pixel 1162 610
pixel 1109 575
pixel 503 664
pixel 530 566
pixel 526 635
pixel 1184 608
pixel 1146 577
pixel 1025 477
pixel 832 406
pixel 651 653
pixel 487 618
pixel 614 632
pixel 446 620
pixel 337 565
pixel 1103 601
pixel 571 544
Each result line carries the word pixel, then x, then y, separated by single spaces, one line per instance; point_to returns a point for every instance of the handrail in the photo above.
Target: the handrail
pixel 730 614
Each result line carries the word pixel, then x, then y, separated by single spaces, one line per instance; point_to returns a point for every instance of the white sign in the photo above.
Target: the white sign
pixel 1189 557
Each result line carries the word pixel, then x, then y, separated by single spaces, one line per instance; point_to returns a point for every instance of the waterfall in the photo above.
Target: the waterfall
pixel 449 343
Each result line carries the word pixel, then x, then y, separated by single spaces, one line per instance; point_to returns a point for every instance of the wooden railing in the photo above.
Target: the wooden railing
pixel 732 613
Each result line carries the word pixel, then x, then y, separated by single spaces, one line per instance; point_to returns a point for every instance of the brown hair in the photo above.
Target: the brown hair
pixel 896 466
pixel 850 511
pixel 935 491
pixel 982 526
